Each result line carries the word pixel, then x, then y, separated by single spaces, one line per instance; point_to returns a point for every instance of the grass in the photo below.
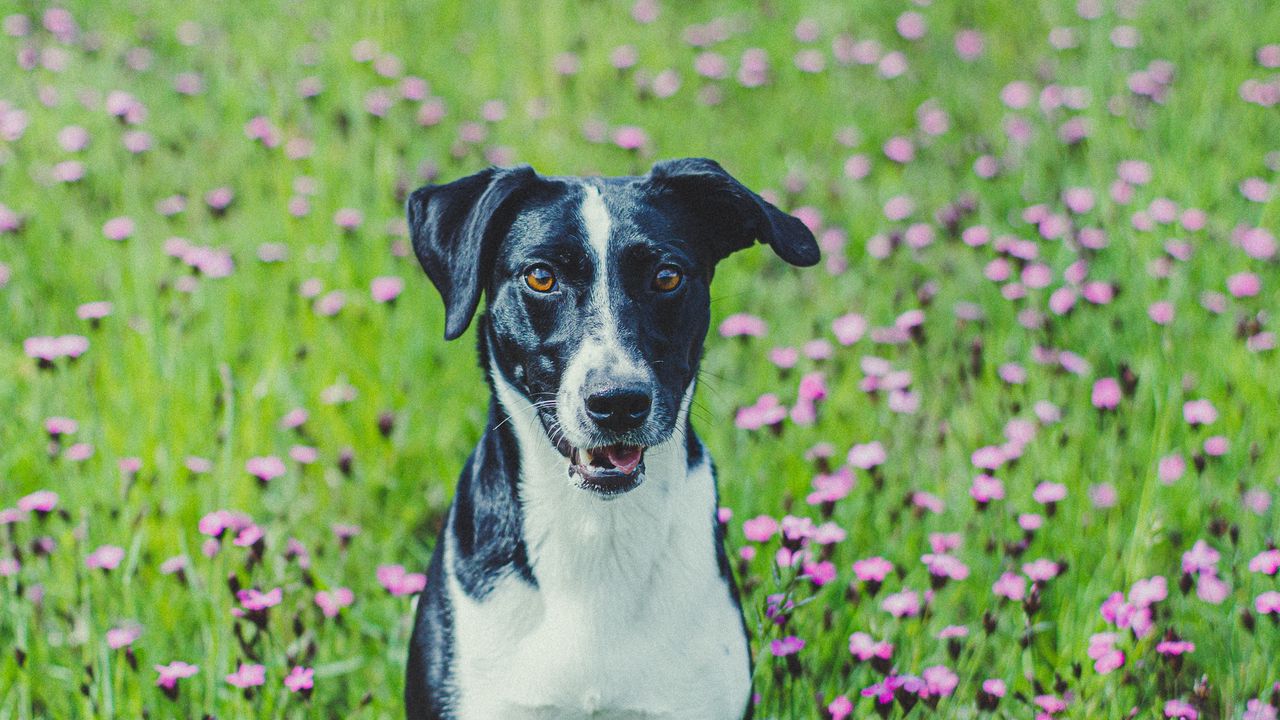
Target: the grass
pixel 188 364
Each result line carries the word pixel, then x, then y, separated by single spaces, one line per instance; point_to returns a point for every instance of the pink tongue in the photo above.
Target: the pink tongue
pixel 624 457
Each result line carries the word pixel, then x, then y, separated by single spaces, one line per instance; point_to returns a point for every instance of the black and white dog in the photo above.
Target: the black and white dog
pixel 581 572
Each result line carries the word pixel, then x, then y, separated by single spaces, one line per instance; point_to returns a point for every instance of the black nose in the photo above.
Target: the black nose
pixel 619 409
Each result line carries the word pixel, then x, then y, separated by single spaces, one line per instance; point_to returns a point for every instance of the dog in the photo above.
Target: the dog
pixel 581 570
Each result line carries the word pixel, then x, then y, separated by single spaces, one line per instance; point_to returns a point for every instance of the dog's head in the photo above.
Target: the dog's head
pixel 597 293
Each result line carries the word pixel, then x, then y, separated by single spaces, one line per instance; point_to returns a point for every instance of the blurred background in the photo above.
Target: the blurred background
pixel 1035 367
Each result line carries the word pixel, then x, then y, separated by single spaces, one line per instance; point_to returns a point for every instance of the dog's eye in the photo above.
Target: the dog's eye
pixel 667 278
pixel 540 278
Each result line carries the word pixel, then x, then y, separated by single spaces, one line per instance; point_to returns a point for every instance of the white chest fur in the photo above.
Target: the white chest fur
pixel 630 619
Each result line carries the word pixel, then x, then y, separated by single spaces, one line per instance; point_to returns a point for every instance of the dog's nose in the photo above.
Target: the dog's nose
pixel 619 409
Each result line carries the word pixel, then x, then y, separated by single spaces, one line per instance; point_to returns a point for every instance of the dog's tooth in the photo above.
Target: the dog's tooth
pixel 586 456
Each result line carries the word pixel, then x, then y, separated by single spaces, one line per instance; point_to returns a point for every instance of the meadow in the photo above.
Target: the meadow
pixel 1009 451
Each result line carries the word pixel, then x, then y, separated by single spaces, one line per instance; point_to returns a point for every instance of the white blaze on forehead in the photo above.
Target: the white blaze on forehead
pixel 595 217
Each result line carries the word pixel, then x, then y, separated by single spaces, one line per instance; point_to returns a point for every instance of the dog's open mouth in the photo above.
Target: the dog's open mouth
pixel 607 470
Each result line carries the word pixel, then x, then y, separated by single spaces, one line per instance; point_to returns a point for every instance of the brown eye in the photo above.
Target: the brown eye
pixel 540 278
pixel 667 279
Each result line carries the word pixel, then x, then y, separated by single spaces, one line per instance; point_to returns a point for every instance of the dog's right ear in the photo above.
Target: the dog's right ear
pixel 456 229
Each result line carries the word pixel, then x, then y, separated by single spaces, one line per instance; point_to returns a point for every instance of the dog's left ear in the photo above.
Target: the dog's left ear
pixel 732 216
pixel 456 229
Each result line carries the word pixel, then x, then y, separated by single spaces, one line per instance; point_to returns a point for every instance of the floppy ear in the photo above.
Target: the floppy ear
pixel 456 229
pixel 733 217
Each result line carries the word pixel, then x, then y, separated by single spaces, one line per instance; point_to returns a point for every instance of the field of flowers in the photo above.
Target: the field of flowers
pixel 1012 450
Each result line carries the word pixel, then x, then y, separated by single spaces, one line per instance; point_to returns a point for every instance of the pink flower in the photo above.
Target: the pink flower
pixel 789 645
pixel 986 489
pixel 299 679
pixel 1161 312
pixel 348 218
pixel 122 636
pixel 1199 412
pixel 1171 468
pixel 944 542
pixel 911 25
pixel 1134 172
pixel 107 557
pixel 1211 588
pixel 784 357
pixel 945 566
pixel 293 419
pixel 248 536
pixel 1175 647
pixel 767 411
pixel 867 456
pixel 900 150
pixel 1103 495
pixel 398 582
pixel 864 647
pixel 928 501
pixel 1103 652
pixel 1180 709
pixel 331 303
pixel 1051 704
pixel 1244 285
pixel 939 681
pixel 119 228
pixel 219 521
pixel 840 708
pixel 1216 446
pixel 173 672
pixel 1011 586
pixel 1012 373
pixel 813 387
pixel 995 687
pixel 883 690
pixel 1257 709
pixel 1266 562
pixel 819 573
pixel 1017 95
pixel 760 528
pixel 1106 394
pixel 849 328
pixel 47 349
pixel 1150 591
pixel 94 310
pixel 303 454
pixel 1048 492
pixel 630 137
pixel 386 289
pixel 40 501
pixel 831 487
pixel 873 569
pixel 1200 558
pixel 902 604
pixel 743 324
pixel 1041 570
pixel 969 44
pixel 331 602
pixel 988 458
pixel 247 676
pixel 255 600
pixel 265 468
pixel 1267 603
